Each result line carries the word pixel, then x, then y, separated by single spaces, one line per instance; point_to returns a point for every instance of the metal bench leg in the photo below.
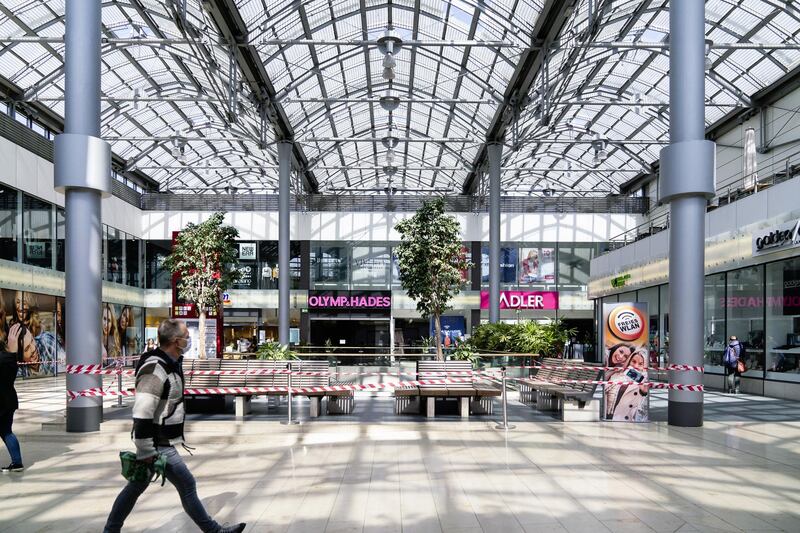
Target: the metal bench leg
pixel 464 406
pixel 314 407
pixel 242 405
pixel 431 407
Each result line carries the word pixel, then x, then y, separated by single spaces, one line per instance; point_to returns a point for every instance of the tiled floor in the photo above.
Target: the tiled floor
pixel 373 471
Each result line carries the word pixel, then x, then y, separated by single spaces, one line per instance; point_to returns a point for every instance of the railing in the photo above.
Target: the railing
pixel 728 191
pixel 383 203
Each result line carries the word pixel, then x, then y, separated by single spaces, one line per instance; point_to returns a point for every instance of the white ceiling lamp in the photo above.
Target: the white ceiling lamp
pixel 389 101
pixel 138 93
pixel 637 103
pixel 600 152
pixel 390 157
pixel 389 44
pixel 708 62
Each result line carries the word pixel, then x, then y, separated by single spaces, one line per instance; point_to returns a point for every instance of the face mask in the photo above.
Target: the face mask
pixel 187 347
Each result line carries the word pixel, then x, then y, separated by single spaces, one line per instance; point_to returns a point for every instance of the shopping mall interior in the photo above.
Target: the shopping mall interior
pixel 623 177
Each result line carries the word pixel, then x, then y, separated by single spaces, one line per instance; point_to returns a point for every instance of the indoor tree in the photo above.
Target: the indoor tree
pixel 431 260
pixel 203 258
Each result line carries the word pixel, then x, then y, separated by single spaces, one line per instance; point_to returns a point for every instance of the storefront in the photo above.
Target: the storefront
pixel 353 320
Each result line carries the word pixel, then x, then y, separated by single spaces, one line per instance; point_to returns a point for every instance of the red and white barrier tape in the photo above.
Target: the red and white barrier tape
pixel 295 390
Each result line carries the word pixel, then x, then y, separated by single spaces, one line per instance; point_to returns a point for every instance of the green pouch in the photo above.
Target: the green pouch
pixel 140 472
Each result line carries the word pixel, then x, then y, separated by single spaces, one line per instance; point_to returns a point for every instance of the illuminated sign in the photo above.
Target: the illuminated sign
pixel 343 300
pixel 523 300
pixel 619 281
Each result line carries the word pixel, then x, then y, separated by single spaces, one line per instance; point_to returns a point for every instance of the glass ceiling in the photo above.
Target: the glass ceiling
pixel 178 108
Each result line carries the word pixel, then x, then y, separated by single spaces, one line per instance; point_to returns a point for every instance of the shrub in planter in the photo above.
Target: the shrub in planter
pixel 275 351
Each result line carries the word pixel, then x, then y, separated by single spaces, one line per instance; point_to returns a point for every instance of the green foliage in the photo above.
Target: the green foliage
pixel 431 258
pixel 275 351
pixel 203 257
pixel 546 339
pixel 465 351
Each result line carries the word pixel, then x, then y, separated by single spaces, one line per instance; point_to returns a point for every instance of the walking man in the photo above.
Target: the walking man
pixel 158 415
pixel 734 352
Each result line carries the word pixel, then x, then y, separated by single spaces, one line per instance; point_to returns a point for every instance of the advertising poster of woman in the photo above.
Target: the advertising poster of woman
pixel 537 265
pixel 626 347
pixel 110 334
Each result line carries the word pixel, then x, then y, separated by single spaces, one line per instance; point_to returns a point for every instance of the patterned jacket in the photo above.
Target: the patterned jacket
pixel 158 412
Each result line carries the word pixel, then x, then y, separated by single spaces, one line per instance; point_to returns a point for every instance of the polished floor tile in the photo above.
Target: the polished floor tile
pixel 373 471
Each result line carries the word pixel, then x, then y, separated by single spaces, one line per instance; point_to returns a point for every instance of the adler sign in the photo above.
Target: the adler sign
pixel 523 300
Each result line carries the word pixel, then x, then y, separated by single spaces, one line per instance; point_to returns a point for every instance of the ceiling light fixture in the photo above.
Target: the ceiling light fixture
pixel 708 62
pixel 600 152
pixel 637 103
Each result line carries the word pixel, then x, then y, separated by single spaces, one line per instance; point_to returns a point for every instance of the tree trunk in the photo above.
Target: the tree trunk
pixel 437 328
pixel 201 341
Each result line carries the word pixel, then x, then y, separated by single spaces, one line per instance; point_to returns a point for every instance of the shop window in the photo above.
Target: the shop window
pixel 133 261
pixel 114 259
pixel 247 255
pixel 9 210
pixel 573 266
pixel 371 267
pixel 268 265
pixel 37 230
pixel 61 235
pixel 330 266
pixel 745 312
pixel 650 297
pixel 714 323
pixel 158 277
pixel 783 320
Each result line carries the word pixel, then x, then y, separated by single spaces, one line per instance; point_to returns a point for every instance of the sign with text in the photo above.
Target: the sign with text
pixel 626 346
pixel 544 300
pixel 349 300
pixel 777 238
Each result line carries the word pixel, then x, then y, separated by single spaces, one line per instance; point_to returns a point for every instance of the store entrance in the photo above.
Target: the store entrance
pixel 354 336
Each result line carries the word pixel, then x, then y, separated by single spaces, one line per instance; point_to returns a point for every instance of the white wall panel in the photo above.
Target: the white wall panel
pixel 8 162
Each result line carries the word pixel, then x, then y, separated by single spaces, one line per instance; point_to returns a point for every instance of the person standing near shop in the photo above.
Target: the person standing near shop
pixel 8 404
pixel 734 352
pixel 158 416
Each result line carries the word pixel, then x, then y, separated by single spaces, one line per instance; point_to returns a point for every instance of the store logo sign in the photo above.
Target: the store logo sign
pixel 785 236
pixel 349 301
pixel 247 251
pixel 544 300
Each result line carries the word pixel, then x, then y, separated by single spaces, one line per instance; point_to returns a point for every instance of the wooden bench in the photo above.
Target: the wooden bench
pixel 473 397
pixel 574 402
pixel 338 402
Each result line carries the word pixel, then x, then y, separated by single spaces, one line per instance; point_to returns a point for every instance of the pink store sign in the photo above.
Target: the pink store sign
pixel 349 301
pixel 523 300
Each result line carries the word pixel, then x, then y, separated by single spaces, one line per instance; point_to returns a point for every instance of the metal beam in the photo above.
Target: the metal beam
pixel 233 28
pixel 549 23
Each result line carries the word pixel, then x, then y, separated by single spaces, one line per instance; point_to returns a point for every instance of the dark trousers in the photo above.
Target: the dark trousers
pixel 732 379
pixel 179 475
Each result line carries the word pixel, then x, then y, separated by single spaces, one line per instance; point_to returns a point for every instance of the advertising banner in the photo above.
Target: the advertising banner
pixel 546 300
pixel 626 348
pixel 454 329
pixel 537 266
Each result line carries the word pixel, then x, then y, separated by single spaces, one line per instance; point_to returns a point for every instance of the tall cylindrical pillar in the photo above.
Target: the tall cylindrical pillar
pixel 687 180
pixel 83 173
pixel 284 277
pixel 495 152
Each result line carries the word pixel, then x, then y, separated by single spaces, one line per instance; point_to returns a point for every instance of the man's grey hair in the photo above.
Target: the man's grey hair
pixel 169 330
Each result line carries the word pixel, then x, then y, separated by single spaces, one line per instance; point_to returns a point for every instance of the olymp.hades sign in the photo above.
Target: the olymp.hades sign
pixel 344 300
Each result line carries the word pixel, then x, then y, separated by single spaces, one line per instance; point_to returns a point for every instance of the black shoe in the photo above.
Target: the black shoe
pixel 238 528
pixel 13 467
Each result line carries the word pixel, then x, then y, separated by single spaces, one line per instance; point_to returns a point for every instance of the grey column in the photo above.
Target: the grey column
pixel 284 278
pixel 83 173
pixel 687 180
pixel 495 152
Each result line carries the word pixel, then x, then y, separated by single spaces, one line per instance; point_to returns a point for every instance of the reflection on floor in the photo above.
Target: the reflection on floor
pixel 374 471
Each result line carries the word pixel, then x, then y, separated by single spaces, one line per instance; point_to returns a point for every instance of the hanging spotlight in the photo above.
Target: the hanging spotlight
pixel 388 44
pixel 389 101
pixel 137 95
pixel 388 60
pixel 389 157
pixel 182 156
pixel 708 62
pixel 637 101
pixel 388 73
pixel 207 170
pixel 176 151
pixel 600 152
